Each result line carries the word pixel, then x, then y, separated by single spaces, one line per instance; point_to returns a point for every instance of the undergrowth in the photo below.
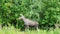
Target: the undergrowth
pixel 12 30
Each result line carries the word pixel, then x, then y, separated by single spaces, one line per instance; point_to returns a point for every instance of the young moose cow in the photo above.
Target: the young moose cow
pixel 28 22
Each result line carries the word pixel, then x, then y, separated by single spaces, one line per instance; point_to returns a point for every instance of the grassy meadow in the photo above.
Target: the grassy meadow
pixel 12 30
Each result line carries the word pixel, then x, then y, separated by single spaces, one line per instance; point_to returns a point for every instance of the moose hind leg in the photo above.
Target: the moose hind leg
pixel 37 28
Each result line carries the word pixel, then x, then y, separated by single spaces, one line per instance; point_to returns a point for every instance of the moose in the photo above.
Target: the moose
pixel 28 22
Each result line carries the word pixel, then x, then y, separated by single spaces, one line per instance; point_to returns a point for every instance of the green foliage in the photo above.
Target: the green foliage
pixel 45 12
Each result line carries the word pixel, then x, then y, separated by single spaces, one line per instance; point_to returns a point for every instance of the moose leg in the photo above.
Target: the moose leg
pixel 37 28
pixel 26 27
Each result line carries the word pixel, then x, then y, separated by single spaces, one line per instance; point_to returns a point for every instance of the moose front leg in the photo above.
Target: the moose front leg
pixel 26 27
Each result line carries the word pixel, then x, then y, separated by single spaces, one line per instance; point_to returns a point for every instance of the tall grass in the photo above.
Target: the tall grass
pixel 12 30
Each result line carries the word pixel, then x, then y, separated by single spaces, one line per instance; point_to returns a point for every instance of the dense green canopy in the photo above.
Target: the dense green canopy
pixel 43 11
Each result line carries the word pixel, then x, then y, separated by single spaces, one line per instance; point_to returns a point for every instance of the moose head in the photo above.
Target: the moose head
pixel 22 16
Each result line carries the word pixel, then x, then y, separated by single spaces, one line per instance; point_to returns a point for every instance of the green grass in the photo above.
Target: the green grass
pixel 12 30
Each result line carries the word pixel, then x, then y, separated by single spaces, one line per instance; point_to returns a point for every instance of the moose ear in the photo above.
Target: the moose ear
pixel 21 14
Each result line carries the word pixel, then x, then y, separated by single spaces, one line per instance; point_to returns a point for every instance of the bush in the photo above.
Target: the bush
pixel 45 12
